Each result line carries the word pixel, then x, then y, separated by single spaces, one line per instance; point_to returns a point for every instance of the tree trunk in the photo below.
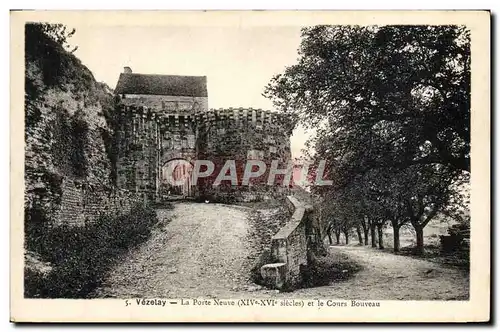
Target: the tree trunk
pixel 374 239
pixel 360 237
pixel 329 233
pixel 380 237
pixel 419 230
pixel 366 228
pixel 346 235
pixel 395 229
pixel 366 231
pixel 337 237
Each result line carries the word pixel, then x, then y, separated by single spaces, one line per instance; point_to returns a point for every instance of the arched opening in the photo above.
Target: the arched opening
pixel 176 179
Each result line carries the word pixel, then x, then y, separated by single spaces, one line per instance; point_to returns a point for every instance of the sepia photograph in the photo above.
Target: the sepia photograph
pixel 209 163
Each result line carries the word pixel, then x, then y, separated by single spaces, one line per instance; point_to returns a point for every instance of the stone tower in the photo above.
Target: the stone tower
pixel 156 125
pixel 165 117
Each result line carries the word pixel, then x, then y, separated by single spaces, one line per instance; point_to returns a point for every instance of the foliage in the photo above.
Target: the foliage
pixel 391 106
pixel 50 66
pixel 388 96
pixel 81 256
pixel 70 142
pixel 59 33
pixel 58 68
pixel 79 139
pixel 328 269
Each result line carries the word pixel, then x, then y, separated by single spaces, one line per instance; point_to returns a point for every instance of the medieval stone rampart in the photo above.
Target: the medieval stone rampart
pixel 149 138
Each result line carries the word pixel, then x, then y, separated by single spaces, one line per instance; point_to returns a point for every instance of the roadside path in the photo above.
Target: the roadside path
pixel 386 276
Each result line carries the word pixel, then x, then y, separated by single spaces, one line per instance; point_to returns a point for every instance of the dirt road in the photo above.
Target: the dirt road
pixel 204 252
pixel 386 276
pixel 201 252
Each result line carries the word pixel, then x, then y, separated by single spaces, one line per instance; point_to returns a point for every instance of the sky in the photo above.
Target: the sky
pixel 238 61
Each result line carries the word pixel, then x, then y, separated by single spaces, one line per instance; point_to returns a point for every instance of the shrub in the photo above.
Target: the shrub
pixel 326 270
pixel 81 256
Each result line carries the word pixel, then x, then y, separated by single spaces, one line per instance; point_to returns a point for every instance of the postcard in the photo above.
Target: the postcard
pixel 250 166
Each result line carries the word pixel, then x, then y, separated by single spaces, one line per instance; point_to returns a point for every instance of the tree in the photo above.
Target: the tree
pixel 380 232
pixel 59 33
pixel 366 228
pixel 340 212
pixel 329 231
pixel 338 230
pixel 409 84
pixel 431 191
pixel 392 108
pixel 397 223
pixel 358 231
pixel 412 195
pixel 346 231
pixel 385 192
pixel 334 227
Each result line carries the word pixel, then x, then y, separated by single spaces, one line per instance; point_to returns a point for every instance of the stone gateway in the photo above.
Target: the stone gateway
pixel 165 117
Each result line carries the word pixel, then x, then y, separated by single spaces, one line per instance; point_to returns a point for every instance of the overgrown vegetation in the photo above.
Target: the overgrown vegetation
pixel 50 65
pixel 81 256
pixel 68 139
pixel 70 142
pixel 58 67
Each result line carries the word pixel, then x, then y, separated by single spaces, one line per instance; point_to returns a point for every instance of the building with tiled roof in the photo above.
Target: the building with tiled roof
pixel 165 92
pixel 165 118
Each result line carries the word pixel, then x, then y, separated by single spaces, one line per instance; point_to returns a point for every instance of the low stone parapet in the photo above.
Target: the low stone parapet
pixel 274 275
pixel 289 249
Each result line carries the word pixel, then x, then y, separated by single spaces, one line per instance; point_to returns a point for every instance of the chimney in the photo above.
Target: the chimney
pixel 127 70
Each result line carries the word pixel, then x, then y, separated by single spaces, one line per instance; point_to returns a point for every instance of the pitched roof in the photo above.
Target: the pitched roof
pixel 166 85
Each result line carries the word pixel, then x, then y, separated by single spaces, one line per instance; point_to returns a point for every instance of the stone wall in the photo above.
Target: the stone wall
pixel 167 104
pixel 289 249
pixel 319 224
pixel 138 142
pixel 81 204
pixel 246 133
pixel 241 134
pixel 149 138
pixel 68 153
pixel 71 210
pixel 147 141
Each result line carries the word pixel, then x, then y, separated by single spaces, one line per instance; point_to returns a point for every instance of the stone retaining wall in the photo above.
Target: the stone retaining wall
pixel 289 249
pixel 81 203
